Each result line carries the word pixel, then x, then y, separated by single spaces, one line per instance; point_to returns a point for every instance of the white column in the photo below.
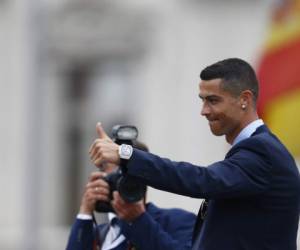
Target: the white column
pixel 29 26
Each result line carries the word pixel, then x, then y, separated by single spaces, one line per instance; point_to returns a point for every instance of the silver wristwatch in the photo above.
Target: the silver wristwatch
pixel 125 151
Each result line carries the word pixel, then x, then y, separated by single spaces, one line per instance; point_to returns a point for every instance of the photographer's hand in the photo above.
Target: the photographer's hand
pixel 96 189
pixel 103 149
pixel 127 211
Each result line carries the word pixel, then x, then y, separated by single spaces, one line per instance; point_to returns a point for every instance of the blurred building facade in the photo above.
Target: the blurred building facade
pixel 65 65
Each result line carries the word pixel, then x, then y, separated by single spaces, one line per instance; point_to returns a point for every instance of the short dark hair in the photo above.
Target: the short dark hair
pixel 237 76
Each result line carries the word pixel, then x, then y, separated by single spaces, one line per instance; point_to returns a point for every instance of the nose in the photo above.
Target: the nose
pixel 205 109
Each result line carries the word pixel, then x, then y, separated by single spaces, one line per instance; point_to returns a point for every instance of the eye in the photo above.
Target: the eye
pixel 213 101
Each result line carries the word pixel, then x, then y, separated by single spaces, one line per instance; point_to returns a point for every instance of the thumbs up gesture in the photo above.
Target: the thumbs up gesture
pixel 103 149
pixel 101 132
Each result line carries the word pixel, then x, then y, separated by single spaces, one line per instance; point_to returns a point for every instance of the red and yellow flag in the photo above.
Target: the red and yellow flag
pixel 279 75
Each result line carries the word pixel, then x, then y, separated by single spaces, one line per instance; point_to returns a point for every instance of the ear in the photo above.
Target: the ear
pixel 246 99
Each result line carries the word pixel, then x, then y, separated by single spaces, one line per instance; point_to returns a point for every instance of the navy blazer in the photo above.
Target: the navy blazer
pixel 254 193
pixel 157 228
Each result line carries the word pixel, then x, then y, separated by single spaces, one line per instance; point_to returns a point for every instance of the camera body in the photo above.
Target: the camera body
pixel 129 187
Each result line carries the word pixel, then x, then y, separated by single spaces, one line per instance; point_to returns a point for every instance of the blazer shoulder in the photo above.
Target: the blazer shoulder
pixel 258 143
pixel 266 145
pixel 261 139
pixel 271 143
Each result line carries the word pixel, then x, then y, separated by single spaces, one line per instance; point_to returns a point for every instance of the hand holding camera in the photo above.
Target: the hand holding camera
pixel 97 189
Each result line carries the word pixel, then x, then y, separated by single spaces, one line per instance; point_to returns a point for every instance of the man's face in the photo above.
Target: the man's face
pixel 221 109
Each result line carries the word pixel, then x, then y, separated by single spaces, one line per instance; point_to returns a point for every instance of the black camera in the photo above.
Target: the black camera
pixel 129 187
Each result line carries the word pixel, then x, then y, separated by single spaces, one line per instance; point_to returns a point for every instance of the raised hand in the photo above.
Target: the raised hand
pixel 103 150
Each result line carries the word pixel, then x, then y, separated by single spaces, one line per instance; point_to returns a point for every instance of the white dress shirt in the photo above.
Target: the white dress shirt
pixel 113 237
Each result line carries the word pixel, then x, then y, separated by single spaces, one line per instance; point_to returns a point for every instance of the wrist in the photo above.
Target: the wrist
pixel 85 210
pixel 125 152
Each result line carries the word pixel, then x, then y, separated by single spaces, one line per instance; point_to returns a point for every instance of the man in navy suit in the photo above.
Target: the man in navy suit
pixel 253 195
pixel 134 225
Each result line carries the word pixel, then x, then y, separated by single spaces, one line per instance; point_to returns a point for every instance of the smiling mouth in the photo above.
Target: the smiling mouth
pixel 212 122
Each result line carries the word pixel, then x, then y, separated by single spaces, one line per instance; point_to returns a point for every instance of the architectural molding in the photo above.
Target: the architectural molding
pixel 92 30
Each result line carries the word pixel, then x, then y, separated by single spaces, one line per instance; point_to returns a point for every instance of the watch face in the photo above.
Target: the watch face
pixel 126 150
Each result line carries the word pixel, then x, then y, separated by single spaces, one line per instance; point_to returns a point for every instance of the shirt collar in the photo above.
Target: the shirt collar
pixel 111 216
pixel 248 131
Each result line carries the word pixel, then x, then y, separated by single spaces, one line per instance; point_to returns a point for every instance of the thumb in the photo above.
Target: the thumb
pixel 100 131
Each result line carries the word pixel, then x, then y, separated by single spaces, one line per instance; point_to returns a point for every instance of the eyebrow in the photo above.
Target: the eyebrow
pixel 209 97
